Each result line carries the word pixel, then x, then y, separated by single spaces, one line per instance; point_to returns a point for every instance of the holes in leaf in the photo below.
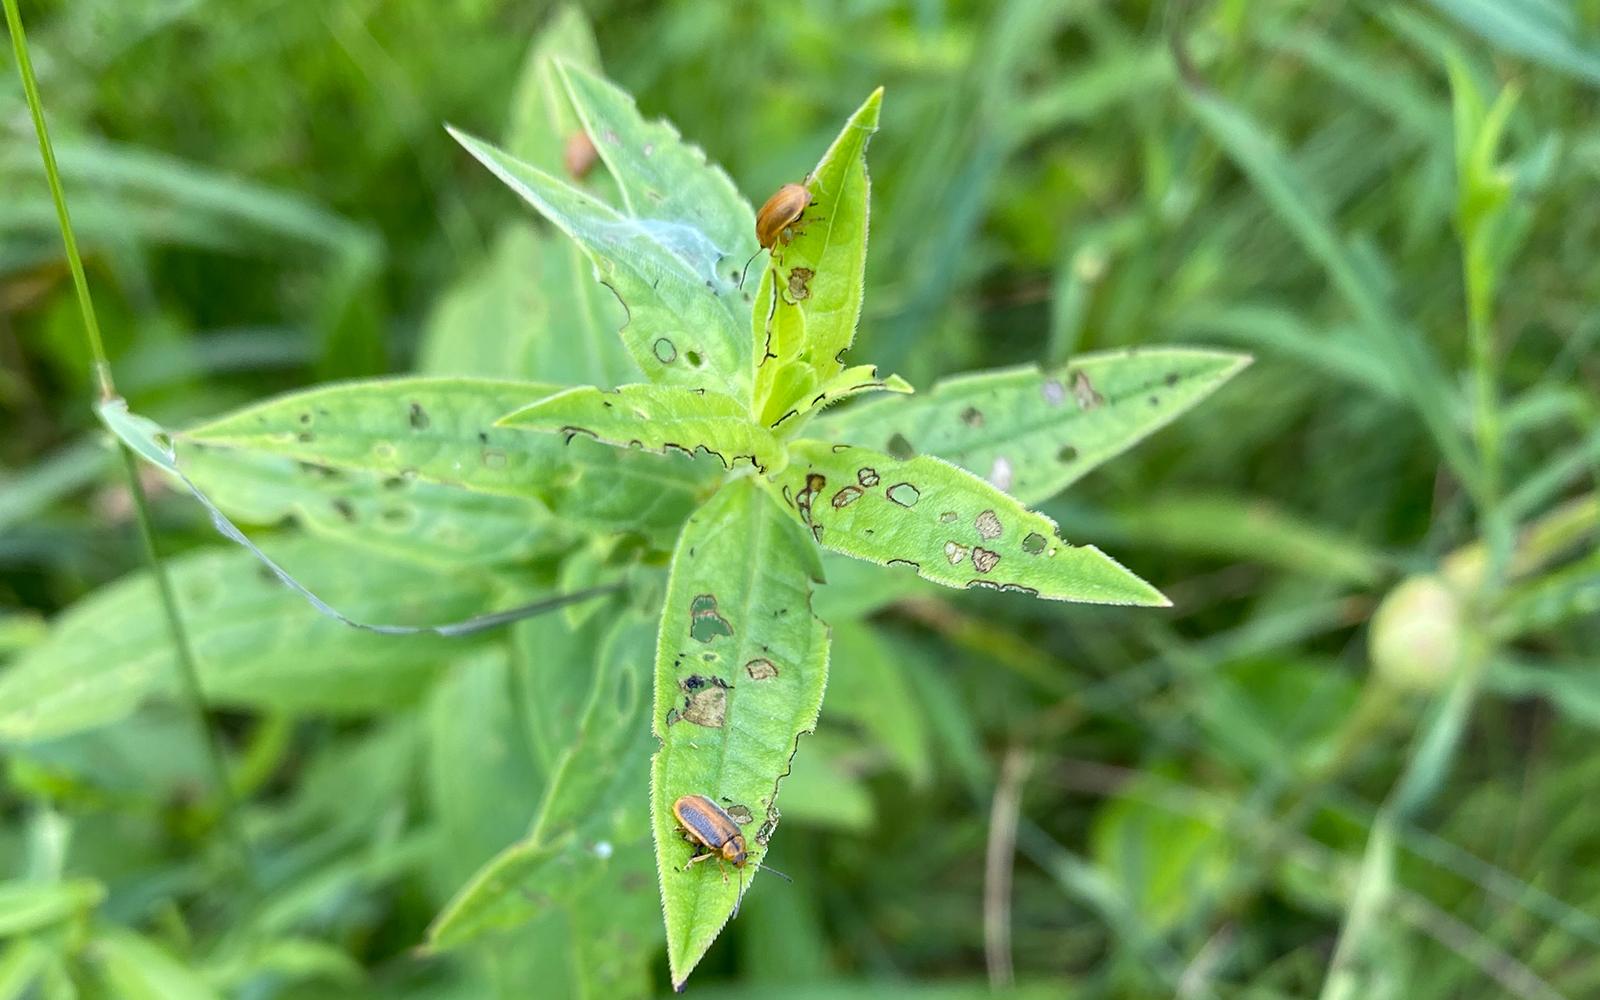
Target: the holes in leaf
pixel 904 494
pixel 705 701
pixel 705 623
pixel 741 814
pixel 419 417
pixel 899 447
pixel 665 351
pixel 867 477
pixel 1053 391
pixel 847 496
pixel 1035 543
pixel 955 552
pixel 948 517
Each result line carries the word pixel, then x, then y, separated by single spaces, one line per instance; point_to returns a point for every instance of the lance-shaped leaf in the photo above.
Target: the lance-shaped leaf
pixel 661 177
pixel 953 527
pixel 591 823
pixel 682 327
pixel 442 430
pixel 532 308
pixel 740 666
pixel 658 418
pixel 405 518
pixel 256 642
pixel 1033 433
pixel 809 299
pixel 851 382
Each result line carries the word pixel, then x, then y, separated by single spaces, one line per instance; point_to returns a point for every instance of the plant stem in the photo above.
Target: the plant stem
pixel 189 675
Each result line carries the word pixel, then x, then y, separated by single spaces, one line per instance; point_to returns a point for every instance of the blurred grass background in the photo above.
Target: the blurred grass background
pixel 1228 799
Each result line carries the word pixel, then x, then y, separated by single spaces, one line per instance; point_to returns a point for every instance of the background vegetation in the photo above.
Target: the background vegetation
pixel 1354 759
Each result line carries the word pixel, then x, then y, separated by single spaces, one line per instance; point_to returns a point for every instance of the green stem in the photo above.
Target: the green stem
pixel 189 675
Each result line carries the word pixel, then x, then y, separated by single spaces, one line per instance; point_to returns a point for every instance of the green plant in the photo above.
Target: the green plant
pixel 446 472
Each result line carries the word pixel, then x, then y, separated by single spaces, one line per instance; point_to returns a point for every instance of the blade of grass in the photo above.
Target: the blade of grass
pixel 190 678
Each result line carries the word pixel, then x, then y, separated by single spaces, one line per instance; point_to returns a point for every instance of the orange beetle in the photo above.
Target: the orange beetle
pixel 707 825
pixel 579 155
pixel 775 223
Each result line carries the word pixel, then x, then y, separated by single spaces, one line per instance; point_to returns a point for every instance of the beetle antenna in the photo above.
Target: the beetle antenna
pixel 768 868
pixel 747 264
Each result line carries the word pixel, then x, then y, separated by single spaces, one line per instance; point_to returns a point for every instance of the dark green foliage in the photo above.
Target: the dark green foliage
pixel 1352 759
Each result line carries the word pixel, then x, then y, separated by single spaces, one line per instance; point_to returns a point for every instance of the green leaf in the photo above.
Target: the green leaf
pixel 591 826
pixel 256 642
pixel 657 418
pixel 21 963
pixel 474 729
pixel 442 430
pixel 530 309
pixel 681 327
pixel 542 117
pixel 871 690
pixel 740 666
pixel 134 968
pixel 812 398
pixel 405 518
pixel 661 177
pixel 809 300
pixel 1542 30
pixel 1033 433
pixel 1166 864
pixel 954 528
pixel 26 907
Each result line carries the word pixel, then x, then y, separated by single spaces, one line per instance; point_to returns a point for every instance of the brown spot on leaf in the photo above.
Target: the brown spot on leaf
pixel 847 496
pixel 1083 392
pixel 984 560
pixel 988 525
pixel 800 283
pixel 972 417
pixel 867 477
pixel 705 701
pixel 955 552
pixel 761 670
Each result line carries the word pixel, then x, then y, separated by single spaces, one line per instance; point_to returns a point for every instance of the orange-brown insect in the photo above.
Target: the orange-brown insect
pixel 579 155
pixel 707 825
pixel 776 222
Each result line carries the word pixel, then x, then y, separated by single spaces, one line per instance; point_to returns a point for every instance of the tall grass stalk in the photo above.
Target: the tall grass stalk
pixel 188 673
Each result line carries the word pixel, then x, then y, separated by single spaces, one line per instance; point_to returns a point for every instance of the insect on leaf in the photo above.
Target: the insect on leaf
pixel 953 527
pixel 657 418
pixel 681 328
pixel 740 666
pixel 1033 433
pixel 809 300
